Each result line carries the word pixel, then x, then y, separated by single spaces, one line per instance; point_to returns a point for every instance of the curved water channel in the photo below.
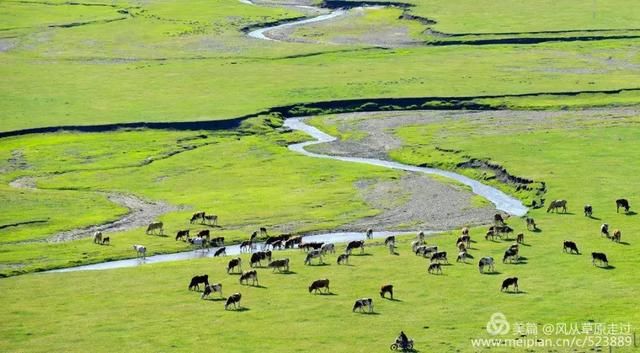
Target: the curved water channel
pixel 501 200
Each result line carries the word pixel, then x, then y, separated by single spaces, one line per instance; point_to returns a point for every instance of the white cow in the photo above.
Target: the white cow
pixel 140 250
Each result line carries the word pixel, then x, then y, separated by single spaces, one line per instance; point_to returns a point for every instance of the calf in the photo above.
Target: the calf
pixel 105 241
pixel 343 259
pixel 362 303
pixel 599 256
pixel 624 203
pixel 220 252
pixel 234 263
pixel 317 285
pixel 439 256
pixel 196 280
pixel 280 265
pixel 617 234
pixel 140 250
pixel 570 247
pixel 486 262
pixel 312 255
pixel 435 268
pixel 520 238
pixel 387 288
pixel 233 299
pixel 531 224
pixel 604 230
pixel 390 240
pixel 511 281
pixel 329 247
pixel 588 210
pixel 211 288
pixel 182 234
pixel 369 233
pixel 249 275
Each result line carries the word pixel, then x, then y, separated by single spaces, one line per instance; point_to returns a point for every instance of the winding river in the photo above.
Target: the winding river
pixel 501 200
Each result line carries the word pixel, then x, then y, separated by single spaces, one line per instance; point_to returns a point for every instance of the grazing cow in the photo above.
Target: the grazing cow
pixel 354 244
pixel 205 233
pixel 233 299
pixel 588 210
pixel 220 252
pixel 246 245
pixel 217 241
pixel 182 234
pixel 425 250
pixel 211 219
pixel 278 244
pixel 249 275
pixel 624 203
pixel 329 247
pixel 555 205
pixel 263 231
pixel 616 235
pixel 196 216
pixel 463 256
pixel 520 238
pixel 153 227
pixel 369 233
pixel 317 285
pixel 390 240
pixel 466 239
pixel 97 237
pixel 491 233
pixel 312 255
pixel 600 256
pixel 257 257
pixel 234 263
pixel 211 288
pixel 497 219
pixel 435 268
pixel 199 243
pixel 465 231
pixel 531 224
pixel 140 251
pixel 196 280
pixel 270 241
pixel 343 259
pixel 486 262
pixel 604 230
pixel 280 265
pixel 569 246
pixel 362 303
pixel 511 281
pixel 387 288
pixel 439 256
pixel 415 244
pixel 105 241
pixel 462 246
pixel 310 246
pixel 511 255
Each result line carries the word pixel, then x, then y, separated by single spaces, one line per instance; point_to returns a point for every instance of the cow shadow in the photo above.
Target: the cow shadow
pixel 565 213
pixel 393 300
pixel 494 273
pixel 286 272
pixel 260 286
pixel 327 294
pixel 536 230
pixel 608 267
pixel 319 264
pixel 515 293
pixel 240 309
pixel 363 254
pixel 215 299
pixel 234 273
pixel 595 218
pixel 630 213
pixel 524 244
pixel 367 313
pixel 624 243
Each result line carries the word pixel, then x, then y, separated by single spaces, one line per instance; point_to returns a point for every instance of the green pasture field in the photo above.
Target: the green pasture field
pixel 149 309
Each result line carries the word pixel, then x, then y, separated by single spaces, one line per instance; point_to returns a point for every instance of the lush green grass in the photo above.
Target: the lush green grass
pixel 129 308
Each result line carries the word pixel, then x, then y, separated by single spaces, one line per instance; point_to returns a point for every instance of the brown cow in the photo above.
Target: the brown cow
pixel 387 288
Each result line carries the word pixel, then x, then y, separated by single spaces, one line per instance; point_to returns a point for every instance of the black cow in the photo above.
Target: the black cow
pixel 317 285
pixel 588 210
pixel 257 257
pixel 387 288
pixel 181 234
pixel 195 281
pixel 600 256
pixel 221 251
pixel 512 281
pixel 439 256
pixel 569 246
pixel 624 203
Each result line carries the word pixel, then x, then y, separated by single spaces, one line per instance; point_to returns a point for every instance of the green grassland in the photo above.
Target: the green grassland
pixel 87 310
pixel 196 64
